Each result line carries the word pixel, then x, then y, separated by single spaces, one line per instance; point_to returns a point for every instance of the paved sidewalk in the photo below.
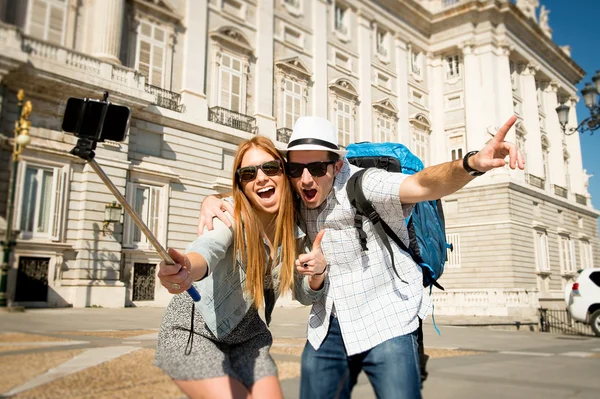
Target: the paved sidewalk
pixel 108 353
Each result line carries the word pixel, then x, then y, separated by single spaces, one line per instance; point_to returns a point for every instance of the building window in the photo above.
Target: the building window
pixel 567 175
pixel 452 66
pixel 341 19
pixel 416 62
pixel 541 251
pixel 149 202
pixel 546 161
pixel 384 130
pixel 514 77
pixel 234 7
pixel 47 20
pixel 420 144
pixel 453 257
pixel 151 53
pixel 567 255
pixel 41 201
pixel 342 61
pixel 587 255
pixel 343 117
pixel 292 102
pixel 417 98
pixel 293 37
pixel 230 83
pixel 453 101
pixel 457 145
pixel 381 43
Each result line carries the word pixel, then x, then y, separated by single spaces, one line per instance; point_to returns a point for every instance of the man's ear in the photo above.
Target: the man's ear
pixel 337 166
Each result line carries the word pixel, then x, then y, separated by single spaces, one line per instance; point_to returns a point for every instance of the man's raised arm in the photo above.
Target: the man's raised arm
pixel 440 180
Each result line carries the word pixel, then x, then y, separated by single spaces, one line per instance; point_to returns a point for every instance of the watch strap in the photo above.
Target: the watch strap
pixel 470 170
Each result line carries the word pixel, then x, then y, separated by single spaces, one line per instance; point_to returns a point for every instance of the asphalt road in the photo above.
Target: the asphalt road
pixel 472 363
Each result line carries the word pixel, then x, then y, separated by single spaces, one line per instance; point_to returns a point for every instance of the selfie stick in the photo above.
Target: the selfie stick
pixel 85 150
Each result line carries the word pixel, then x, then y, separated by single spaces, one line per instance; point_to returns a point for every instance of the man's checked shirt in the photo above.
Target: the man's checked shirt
pixel 372 305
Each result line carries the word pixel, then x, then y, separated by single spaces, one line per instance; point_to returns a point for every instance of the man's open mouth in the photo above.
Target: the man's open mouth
pixel 309 194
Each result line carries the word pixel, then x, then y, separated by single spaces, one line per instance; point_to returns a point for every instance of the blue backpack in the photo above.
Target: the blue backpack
pixel 426 226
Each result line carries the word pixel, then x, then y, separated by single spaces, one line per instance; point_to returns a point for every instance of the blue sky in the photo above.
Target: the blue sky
pixel 575 23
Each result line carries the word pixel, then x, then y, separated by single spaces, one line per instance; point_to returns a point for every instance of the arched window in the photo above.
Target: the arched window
pixel 420 133
pixel 343 98
pixel 231 53
pixel 384 119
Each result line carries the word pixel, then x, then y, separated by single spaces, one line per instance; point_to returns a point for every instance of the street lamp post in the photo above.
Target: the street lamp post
pixel 590 97
pixel 21 141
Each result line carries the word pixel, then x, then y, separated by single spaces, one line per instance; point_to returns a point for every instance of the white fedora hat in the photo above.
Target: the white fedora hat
pixel 312 133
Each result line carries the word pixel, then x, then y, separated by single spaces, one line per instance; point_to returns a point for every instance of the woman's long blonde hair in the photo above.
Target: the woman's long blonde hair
pixel 249 232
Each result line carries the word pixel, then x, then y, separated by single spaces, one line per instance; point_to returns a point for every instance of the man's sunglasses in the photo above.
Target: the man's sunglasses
pixel 316 169
pixel 248 173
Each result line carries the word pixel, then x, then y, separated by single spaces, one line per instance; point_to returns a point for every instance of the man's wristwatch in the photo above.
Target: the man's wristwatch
pixel 470 170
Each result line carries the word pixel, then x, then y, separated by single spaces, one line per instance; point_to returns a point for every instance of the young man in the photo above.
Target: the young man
pixel 367 318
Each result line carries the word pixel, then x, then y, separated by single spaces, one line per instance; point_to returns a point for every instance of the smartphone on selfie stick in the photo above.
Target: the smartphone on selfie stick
pixel 94 121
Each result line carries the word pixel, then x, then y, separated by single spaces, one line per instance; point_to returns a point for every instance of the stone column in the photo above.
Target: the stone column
pixel 365 111
pixel 475 131
pixel 195 67
pixel 107 29
pixel 574 148
pixel 320 93
pixel 438 142
pixel 402 90
pixel 531 122
pixel 555 135
pixel 263 78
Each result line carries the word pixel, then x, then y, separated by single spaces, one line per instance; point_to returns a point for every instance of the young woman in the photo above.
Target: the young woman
pixel 219 347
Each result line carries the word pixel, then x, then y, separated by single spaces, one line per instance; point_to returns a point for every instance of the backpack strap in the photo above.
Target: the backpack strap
pixel 365 208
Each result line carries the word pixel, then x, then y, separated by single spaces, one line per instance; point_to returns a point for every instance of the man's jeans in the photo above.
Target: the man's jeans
pixel 392 368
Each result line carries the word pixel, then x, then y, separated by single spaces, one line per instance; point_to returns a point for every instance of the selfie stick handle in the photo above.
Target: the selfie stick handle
pixel 138 222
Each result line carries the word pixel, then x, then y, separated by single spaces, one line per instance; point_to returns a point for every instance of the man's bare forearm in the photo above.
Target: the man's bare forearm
pixel 434 182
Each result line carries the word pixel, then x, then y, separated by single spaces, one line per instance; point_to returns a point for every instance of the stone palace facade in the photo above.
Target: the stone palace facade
pixel 201 75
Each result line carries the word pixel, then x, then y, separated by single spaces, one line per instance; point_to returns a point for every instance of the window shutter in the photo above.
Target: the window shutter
pixel 144 59
pixel 60 177
pixel 56 24
pixel 37 21
pixel 225 88
pixel 128 225
pixel 236 93
pixel 158 59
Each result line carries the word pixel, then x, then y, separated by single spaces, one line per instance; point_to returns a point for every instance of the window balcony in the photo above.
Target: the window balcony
pixel 165 98
pixel 535 181
pixel 284 134
pixel 232 119
pixel 48 67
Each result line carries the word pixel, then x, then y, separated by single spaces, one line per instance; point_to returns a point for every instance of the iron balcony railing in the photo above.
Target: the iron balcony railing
pixel 165 98
pixel 535 181
pixel 580 199
pixel 232 119
pixel 284 134
pixel 560 191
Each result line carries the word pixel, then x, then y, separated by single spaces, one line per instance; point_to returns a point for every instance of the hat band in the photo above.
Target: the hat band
pixel 322 143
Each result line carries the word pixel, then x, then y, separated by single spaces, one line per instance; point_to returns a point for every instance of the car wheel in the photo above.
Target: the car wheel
pixel 595 322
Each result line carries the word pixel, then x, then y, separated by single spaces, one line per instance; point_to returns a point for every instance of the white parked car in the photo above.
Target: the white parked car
pixel 583 298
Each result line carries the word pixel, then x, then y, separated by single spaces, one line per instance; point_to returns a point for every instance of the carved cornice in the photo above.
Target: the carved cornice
pixel 294 66
pixel 232 38
pixel 386 107
pixel 344 88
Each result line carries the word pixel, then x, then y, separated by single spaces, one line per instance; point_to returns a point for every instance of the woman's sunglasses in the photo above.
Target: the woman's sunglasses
pixel 316 169
pixel 248 173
